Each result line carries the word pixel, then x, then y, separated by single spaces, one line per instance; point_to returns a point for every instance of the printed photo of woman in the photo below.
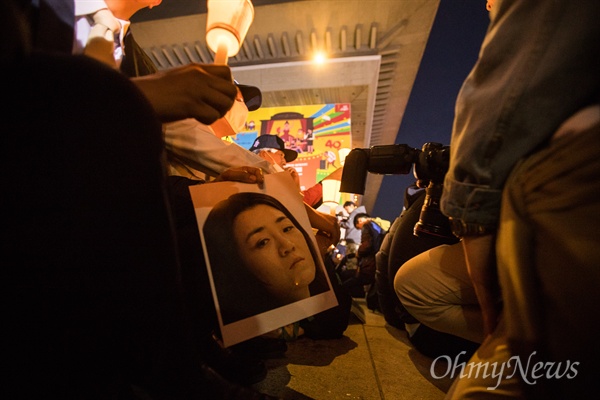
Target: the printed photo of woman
pixel 260 256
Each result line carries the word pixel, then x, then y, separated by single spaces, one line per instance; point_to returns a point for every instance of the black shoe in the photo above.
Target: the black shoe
pixel 235 366
pixel 434 344
pixel 214 386
pixel 203 383
pixel 262 347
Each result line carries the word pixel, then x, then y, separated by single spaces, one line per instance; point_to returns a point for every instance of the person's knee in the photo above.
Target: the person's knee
pixel 417 281
pixel 407 288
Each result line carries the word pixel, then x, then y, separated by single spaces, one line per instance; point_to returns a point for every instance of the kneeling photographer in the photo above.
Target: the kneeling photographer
pixel 420 226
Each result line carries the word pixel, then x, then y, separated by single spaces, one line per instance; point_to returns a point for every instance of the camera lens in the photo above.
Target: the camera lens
pixel 431 221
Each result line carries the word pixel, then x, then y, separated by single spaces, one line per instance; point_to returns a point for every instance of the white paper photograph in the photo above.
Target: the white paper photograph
pixel 263 261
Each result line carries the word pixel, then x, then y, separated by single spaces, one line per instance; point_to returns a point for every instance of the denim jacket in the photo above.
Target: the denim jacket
pixel 537 66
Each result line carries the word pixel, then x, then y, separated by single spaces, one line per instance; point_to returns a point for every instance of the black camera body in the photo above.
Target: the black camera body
pixel 430 166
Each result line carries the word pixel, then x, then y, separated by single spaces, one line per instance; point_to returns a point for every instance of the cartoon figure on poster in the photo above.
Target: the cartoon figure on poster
pixel 309 137
pixel 330 159
pixel 320 134
pixel 265 267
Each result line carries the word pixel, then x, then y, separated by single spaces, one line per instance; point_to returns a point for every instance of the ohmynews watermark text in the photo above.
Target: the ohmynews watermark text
pixel 529 371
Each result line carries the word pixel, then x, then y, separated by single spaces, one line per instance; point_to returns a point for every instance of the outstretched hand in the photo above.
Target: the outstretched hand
pixel 201 91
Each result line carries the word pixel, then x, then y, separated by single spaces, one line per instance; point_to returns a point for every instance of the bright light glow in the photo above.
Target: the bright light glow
pixel 320 57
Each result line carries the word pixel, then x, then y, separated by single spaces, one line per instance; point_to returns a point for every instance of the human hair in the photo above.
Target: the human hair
pixel 349 203
pixel 359 216
pixel 240 294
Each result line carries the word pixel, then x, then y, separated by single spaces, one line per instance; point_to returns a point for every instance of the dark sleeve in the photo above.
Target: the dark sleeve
pixel 344 224
pixel 366 244
pixel 194 275
pixel 136 62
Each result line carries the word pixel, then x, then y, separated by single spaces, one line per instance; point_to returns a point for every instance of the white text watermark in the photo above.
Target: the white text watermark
pixel 529 371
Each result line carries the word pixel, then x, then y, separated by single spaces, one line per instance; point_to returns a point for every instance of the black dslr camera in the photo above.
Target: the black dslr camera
pixel 430 167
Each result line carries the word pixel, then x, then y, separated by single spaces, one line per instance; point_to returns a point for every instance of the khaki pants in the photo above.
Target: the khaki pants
pixel 436 289
pixel 548 252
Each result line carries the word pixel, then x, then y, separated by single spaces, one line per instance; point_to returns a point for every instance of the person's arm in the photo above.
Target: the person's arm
pixel 481 264
pixel 195 145
pixel 328 229
pixel 345 223
pixel 313 195
pixel 201 91
pixel 366 242
pixel 528 54
pixel 95 31
pixel 242 174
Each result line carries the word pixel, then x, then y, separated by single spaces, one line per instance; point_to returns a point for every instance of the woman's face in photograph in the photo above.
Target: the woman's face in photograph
pixel 275 251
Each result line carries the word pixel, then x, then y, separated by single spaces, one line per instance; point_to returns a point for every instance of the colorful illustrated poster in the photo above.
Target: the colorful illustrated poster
pixel 263 261
pixel 321 134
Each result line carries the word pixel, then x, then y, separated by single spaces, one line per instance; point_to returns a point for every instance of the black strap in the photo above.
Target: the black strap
pixel 135 60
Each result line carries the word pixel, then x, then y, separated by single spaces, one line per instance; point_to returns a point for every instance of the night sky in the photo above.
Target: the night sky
pixel 451 52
